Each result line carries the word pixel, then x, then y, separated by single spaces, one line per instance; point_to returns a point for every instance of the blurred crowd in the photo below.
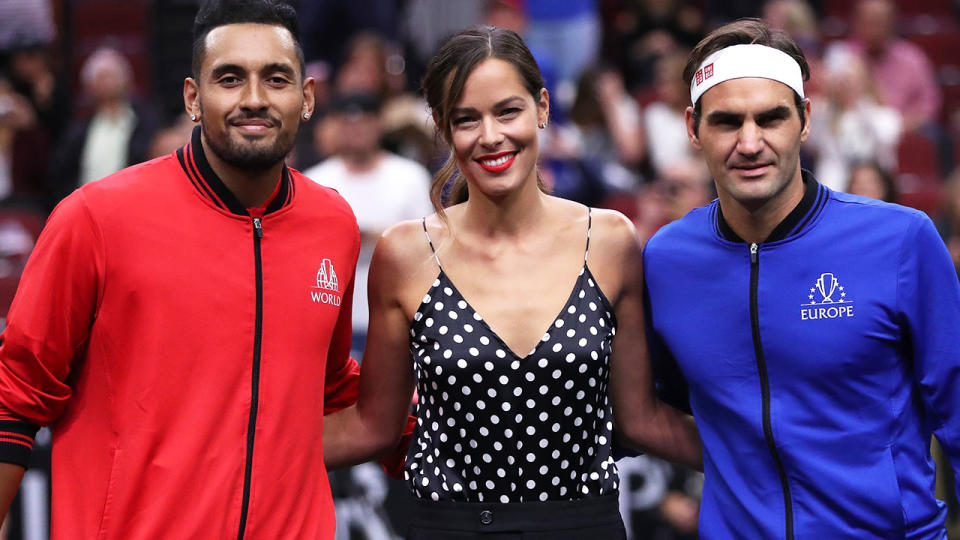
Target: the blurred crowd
pixel 90 86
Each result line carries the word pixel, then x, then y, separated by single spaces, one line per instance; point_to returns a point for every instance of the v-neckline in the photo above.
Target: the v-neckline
pixel 442 276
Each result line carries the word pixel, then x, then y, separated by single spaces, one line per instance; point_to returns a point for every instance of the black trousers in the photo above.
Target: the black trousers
pixel 593 518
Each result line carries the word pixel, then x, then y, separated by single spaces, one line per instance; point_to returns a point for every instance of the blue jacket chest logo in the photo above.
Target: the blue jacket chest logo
pixel 827 299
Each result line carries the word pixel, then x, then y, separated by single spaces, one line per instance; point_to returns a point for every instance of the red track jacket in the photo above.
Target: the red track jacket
pixel 180 350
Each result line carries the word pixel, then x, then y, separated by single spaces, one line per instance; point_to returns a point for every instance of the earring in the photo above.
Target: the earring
pixel 193 117
pixel 543 125
pixel 306 116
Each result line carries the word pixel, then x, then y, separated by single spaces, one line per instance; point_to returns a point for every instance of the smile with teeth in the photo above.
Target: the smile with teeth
pixel 498 162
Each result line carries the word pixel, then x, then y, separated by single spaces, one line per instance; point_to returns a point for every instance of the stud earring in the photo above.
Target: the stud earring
pixel 306 116
pixel 543 125
pixel 193 117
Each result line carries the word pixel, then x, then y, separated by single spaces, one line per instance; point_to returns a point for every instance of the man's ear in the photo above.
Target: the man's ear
pixel 309 98
pixel 805 131
pixel 692 129
pixel 191 98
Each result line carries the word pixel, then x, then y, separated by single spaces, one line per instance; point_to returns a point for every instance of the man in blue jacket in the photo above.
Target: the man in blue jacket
pixel 817 334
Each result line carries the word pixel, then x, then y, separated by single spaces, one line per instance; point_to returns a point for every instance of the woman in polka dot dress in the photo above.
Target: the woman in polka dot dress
pixel 509 302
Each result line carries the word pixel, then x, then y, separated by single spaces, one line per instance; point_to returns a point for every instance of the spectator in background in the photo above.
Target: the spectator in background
pixel 646 30
pixel 852 125
pixel 381 187
pixel 663 119
pixel 869 179
pixel 678 189
pixel 796 18
pixel 571 31
pixel 117 134
pixel 608 119
pixel 901 72
pixel 23 149
pixel 31 74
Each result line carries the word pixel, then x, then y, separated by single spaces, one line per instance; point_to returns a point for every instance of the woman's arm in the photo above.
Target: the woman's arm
pixel 373 426
pixel 642 421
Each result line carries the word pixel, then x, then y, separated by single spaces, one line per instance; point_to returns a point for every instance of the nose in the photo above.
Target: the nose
pixel 490 134
pixel 254 96
pixel 750 139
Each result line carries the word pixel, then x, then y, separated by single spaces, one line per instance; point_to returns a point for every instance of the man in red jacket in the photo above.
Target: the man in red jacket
pixel 183 324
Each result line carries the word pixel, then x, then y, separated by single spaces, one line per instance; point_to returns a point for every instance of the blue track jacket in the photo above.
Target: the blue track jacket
pixel 817 365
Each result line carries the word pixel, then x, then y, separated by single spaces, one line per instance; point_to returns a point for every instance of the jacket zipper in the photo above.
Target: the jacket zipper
pixel 765 386
pixel 255 384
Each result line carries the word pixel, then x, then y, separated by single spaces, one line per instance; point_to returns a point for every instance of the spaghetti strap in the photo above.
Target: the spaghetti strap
pixel 423 221
pixel 586 252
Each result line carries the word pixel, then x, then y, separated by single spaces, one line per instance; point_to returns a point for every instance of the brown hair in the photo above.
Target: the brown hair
pixel 443 83
pixel 744 32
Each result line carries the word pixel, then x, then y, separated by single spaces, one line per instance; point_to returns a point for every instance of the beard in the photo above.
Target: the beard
pixel 256 155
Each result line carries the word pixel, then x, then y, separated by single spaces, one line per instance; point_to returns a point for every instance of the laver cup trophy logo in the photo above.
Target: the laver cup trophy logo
pixel 823 306
pixel 826 285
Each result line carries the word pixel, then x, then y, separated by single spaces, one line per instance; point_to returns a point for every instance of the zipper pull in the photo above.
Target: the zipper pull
pixel 257 228
pixel 753 253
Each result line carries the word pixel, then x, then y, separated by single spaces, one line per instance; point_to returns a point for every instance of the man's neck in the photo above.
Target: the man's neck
pixel 251 187
pixel 754 224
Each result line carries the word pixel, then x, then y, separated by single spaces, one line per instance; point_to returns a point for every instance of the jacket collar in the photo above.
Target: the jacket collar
pixel 211 187
pixel 814 197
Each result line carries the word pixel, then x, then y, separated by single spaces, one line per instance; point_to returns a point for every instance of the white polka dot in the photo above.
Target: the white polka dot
pixel 543 362
pixel 465 390
pixel 458 338
pixel 461 304
pixel 555 481
pixel 474 352
pixel 505 406
pixel 531 457
pixel 529 376
pixel 426 297
pixel 416 316
pixel 568 411
pixel 452 315
pixel 457 487
pixel 571 332
pixel 559 323
pixel 568 385
pixel 593 306
pixel 582 342
pixel 492 393
pixel 555 401
pixel 515 365
pixel 556 374
pixel 557 347
pixel 555 427
pixel 501 354
pixel 531 430
pixel 517 391
pixel 582 293
pixel 447 353
pixel 488 366
pixel 543 443
pixel 571 357
pixel 481 405
pixel 438 306
pixel 546 337
pixel 468 328
pixel 504 499
pixel 429 322
pixel 490 484
pixel 580 395
pixel 477 317
pixel 501 473
pixel 504 379
pixel 484 340
pixel 461 363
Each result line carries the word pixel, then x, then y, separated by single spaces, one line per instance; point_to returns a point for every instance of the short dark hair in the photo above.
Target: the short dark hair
pixel 214 13
pixel 446 76
pixel 744 32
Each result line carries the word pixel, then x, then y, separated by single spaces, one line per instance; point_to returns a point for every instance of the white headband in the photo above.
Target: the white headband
pixel 738 61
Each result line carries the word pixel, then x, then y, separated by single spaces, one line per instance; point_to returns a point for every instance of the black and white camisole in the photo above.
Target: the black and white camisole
pixel 496 427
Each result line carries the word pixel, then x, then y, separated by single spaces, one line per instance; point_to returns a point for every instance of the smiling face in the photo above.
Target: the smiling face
pixel 493 129
pixel 250 94
pixel 750 134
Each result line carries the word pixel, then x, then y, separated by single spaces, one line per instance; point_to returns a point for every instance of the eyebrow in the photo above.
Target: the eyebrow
pixel 497 105
pixel 275 67
pixel 776 113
